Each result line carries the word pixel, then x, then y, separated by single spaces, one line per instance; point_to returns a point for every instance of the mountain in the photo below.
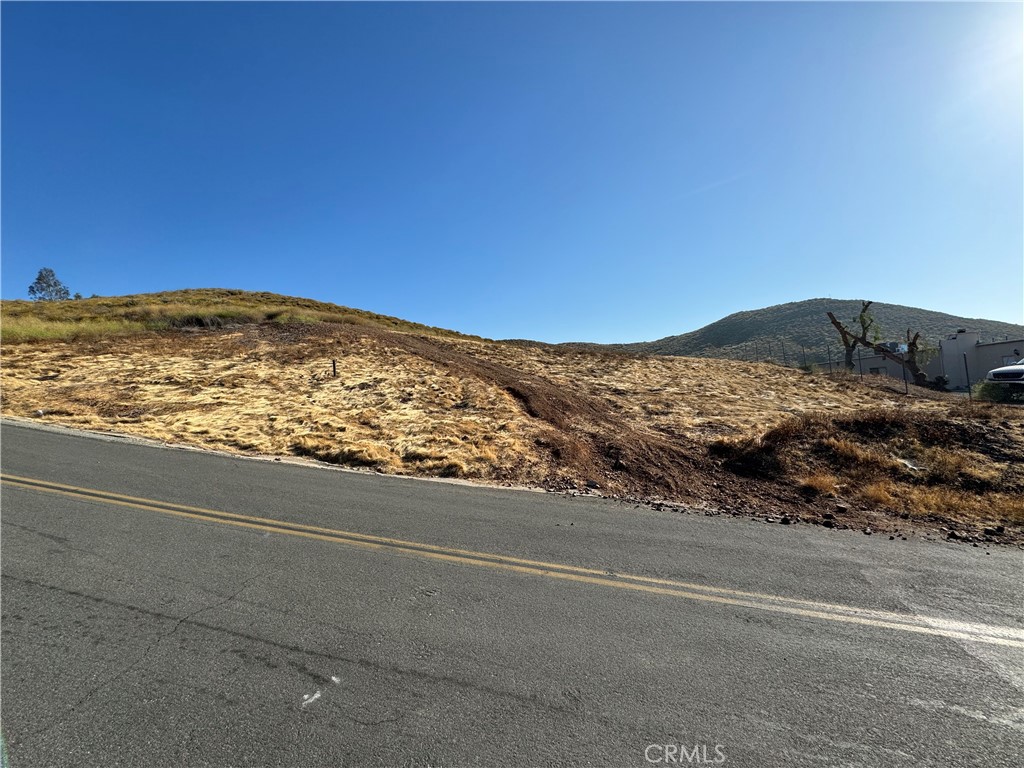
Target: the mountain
pixel 801 329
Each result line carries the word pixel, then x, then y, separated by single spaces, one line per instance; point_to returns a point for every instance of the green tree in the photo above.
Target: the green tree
pixel 48 288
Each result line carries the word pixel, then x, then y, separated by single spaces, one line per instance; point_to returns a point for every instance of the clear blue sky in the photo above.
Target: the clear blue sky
pixel 600 172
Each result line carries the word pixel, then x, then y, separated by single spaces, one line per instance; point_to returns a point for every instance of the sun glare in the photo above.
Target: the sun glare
pixel 992 62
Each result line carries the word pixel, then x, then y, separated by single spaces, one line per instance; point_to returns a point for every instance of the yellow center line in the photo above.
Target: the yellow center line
pixel 973 632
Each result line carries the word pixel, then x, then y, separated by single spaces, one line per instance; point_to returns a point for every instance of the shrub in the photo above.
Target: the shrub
pixel 819 483
pixel 991 392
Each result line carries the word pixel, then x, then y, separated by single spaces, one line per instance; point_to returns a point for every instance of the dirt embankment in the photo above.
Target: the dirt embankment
pixel 588 441
pixel 730 437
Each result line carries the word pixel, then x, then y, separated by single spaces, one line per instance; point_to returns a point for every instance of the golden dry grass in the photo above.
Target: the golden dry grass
pixel 103 316
pixel 948 466
pixel 412 400
pixel 700 398
pixel 386 409
pixel 819 483
pixel 389 409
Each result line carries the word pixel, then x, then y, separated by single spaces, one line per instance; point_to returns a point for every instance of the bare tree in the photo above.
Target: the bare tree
pixel 851 339
pixel 910 359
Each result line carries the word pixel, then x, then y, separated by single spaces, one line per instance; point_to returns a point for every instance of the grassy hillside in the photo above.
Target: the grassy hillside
pixel 255 374
pixel 802 328
pixel 104 316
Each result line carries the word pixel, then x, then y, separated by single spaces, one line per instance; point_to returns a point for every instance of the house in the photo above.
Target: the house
pixel 963 358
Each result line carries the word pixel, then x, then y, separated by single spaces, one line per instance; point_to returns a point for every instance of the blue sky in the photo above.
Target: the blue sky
pixel 600 172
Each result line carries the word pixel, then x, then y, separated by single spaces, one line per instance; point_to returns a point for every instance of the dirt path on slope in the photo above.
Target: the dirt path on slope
pixel 588 440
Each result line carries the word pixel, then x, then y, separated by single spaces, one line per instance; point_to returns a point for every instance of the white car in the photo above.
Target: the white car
pixel 1009 375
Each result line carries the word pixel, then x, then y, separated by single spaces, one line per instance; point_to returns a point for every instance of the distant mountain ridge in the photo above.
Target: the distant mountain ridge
pixel 798 330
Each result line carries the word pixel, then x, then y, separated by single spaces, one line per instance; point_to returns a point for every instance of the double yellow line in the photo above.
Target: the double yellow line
pixel 967 631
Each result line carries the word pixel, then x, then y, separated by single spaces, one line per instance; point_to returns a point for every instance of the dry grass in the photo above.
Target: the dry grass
pixel 251 373
pixel 698 398
pixel 819 484
pixel 938 465
pixel 21 329
pixel 879 493
pixel 386 409
pixel 100 317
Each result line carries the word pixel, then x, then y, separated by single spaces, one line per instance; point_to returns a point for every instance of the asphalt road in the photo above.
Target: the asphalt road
pixel 368 620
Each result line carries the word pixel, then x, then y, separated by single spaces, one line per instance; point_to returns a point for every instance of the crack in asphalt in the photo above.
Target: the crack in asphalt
pixel 135 664
pixel 362 663
pixel 198 611
pixel 65 545
pixel 59 539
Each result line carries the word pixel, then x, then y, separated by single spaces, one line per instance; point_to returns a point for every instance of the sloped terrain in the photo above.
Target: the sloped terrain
pixel 726 437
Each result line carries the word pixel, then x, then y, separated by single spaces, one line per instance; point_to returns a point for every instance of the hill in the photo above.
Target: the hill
pixel 105 316
pixel 800 329
pixel 269 375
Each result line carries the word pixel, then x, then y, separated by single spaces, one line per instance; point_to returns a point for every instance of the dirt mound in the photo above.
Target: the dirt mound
pixel 580 439
pixel 957 468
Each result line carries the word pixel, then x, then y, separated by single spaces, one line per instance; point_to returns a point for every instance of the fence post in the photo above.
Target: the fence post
pixel 334 368
pixel 970 397
pixel 860 363
pixel 906 389
pixel 829 348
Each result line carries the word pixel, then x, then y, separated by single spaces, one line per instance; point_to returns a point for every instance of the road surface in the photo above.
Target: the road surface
pixel 165 607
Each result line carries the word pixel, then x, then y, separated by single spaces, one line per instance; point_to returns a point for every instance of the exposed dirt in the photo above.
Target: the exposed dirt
pixel 588 440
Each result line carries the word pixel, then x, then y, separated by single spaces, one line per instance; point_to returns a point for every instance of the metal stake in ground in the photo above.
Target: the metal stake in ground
pixel 970 397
